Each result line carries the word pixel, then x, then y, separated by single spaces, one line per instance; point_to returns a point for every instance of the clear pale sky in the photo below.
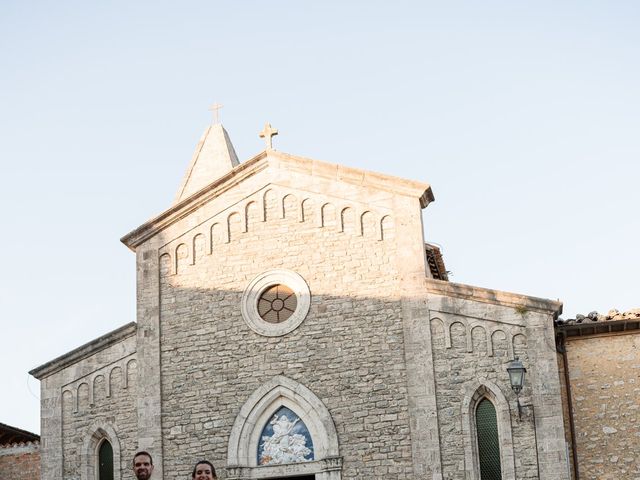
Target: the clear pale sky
pixel 523 116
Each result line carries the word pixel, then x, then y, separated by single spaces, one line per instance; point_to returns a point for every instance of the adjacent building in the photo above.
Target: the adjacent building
pixel 600 370
pixel 19 453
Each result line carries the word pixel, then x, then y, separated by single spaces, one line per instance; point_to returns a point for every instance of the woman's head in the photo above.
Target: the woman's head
pixel 203 471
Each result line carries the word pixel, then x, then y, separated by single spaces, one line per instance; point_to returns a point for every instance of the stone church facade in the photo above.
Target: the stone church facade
pixel 292 322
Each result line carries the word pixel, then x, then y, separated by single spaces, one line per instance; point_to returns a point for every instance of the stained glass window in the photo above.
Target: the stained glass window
pixel 285 439
pixel 488 443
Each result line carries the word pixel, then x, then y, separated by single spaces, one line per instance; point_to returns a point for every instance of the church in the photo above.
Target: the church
pixel 293 323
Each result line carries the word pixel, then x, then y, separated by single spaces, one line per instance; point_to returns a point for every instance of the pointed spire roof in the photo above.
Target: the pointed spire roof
pixel 214 156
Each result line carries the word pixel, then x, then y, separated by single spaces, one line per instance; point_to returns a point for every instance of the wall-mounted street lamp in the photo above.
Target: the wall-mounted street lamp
pixel 516 372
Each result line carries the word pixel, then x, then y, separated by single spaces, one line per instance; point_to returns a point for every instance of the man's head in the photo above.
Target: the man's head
pixel 142 465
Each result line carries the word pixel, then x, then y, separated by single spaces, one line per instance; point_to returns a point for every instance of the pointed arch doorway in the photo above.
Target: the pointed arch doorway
pixel 283 431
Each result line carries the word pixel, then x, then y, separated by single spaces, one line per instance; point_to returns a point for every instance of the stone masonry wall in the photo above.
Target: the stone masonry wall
pixel 86 400
pixel 473 350
pixel 605 385
pixel 20 461
pixel 348 351
pixel 113 403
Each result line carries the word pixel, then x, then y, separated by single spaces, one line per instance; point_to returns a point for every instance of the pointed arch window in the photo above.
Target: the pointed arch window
pixel 105 461
pixel 486 428
pixel 488 441
pixel 283 430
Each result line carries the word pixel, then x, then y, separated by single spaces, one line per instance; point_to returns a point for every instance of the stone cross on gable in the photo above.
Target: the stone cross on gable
pixel 268 133
pixel 215 108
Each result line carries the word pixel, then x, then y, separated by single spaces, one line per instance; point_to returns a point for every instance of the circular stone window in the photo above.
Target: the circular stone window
pixel 275 302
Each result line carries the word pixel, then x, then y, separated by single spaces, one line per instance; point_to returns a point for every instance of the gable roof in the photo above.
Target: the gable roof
pixel 84 351
pixel 331 171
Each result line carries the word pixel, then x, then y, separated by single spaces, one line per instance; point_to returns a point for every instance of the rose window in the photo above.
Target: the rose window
pixel 277 303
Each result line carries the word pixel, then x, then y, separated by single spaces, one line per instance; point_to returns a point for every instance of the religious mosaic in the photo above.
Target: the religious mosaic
pixel 285 439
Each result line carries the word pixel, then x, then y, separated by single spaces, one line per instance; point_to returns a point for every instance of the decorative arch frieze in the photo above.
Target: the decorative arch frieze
pixel 182 257
pixel 88 382
pixel 499 341
pixel 347 220
pixel 112 373
pixel 199 246
pixel 217 236
pixel 518 345
pixel 490 331
pixel 259 408
pixel 69 400
pixel 328 215
pixel 96 380
pixel 269 202
pixel 234 226
pixel 386 228
pixel 478 338
pixel 458 335
pixel 166 265
pixel 367 223
pixel 306 210
pixel 83 396
pixel 130 365
pixel 250 213
pixel 94 435
pixel 267 205
pixel 438 333
pixel 474 393
pixel 290 206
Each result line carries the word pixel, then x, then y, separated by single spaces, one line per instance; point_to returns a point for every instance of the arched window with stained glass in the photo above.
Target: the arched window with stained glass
pixel 285 439
pixel 488 441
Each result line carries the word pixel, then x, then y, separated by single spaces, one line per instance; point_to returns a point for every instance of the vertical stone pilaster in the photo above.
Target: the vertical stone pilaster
pixel 51 430
pixel 423 412
pixel 148 347
pixel 546 398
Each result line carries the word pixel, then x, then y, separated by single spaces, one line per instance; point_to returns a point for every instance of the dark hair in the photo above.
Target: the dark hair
pixel 205 462
pixel 142 452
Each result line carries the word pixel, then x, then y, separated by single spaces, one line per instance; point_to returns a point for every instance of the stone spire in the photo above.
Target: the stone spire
pixel 214 156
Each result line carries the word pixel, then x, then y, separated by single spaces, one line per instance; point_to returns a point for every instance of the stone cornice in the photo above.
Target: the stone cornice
pixel 330 171
pixel 84 351
pixel 495 297
pixel 357 176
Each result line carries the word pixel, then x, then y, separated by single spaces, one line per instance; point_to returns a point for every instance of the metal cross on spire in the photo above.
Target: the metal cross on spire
pixel 215 108
pixel 268 133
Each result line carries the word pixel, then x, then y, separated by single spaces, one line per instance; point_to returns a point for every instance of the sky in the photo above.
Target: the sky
pixel 523 117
